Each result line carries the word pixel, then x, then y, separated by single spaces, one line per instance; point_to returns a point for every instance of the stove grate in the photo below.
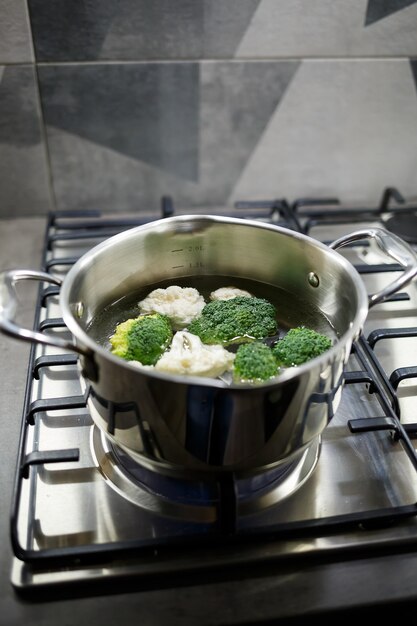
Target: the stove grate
pixel 302 215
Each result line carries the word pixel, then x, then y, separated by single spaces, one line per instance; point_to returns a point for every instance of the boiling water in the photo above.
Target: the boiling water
pixel 291 311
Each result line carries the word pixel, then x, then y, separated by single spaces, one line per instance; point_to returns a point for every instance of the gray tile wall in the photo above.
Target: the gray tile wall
pixel 109 105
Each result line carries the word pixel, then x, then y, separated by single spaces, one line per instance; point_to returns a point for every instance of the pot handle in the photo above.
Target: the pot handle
pixel 8 308
pixel 394 247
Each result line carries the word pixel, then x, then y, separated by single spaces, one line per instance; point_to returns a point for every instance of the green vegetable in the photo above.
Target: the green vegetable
pixel 300 345
pixel 254 362
pixel 142 339
pixel 234 320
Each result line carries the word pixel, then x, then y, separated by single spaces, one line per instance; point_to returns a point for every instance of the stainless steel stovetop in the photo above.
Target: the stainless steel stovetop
pixel 83 513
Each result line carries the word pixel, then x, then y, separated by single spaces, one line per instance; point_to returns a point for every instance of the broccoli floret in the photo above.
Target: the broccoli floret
pixel 142 339
pixel 254 362
pixel 300 345
pixel 237 319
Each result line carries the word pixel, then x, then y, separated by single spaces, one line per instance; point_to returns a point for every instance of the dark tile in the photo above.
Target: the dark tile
pixel 413 63
pixel 138 29
pixel 224 25
pixel 237 102
pixel 19 120
pixel 24 188
pixel 147 112
pixel 122 135
pixel 378 9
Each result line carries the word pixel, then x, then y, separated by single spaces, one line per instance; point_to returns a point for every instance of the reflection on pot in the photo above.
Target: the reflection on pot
pixel 200 428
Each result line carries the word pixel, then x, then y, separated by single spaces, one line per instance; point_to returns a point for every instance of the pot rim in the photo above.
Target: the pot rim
pixel 80 335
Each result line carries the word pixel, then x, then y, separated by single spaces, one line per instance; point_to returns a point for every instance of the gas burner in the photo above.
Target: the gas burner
pixel 197 500
pixel 404 225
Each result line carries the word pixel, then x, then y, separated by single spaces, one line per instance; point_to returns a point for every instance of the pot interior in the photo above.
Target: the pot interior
pixel 291 311
pixel 309 283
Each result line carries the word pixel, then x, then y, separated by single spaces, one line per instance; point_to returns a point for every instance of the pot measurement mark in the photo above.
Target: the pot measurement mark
pixel 192 249
pixel 193 265
pixel 195 248
pixel 176 267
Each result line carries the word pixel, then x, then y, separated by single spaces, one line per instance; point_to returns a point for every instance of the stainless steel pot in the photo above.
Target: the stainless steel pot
pixel 188 426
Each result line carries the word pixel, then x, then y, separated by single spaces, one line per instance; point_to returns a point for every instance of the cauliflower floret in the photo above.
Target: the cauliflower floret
pixel 180 304
pixel 226 293
pixel 141 366
pixel 189 356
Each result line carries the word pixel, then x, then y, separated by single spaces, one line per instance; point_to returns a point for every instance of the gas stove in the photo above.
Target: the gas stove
pixel 85 515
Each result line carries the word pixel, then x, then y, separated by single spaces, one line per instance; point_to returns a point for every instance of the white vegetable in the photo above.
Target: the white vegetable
pixel 141 365
pixel 180 304
pixel 189 356
pixel 226 293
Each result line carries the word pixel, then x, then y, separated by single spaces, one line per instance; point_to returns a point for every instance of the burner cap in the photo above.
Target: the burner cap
pixel 404 225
